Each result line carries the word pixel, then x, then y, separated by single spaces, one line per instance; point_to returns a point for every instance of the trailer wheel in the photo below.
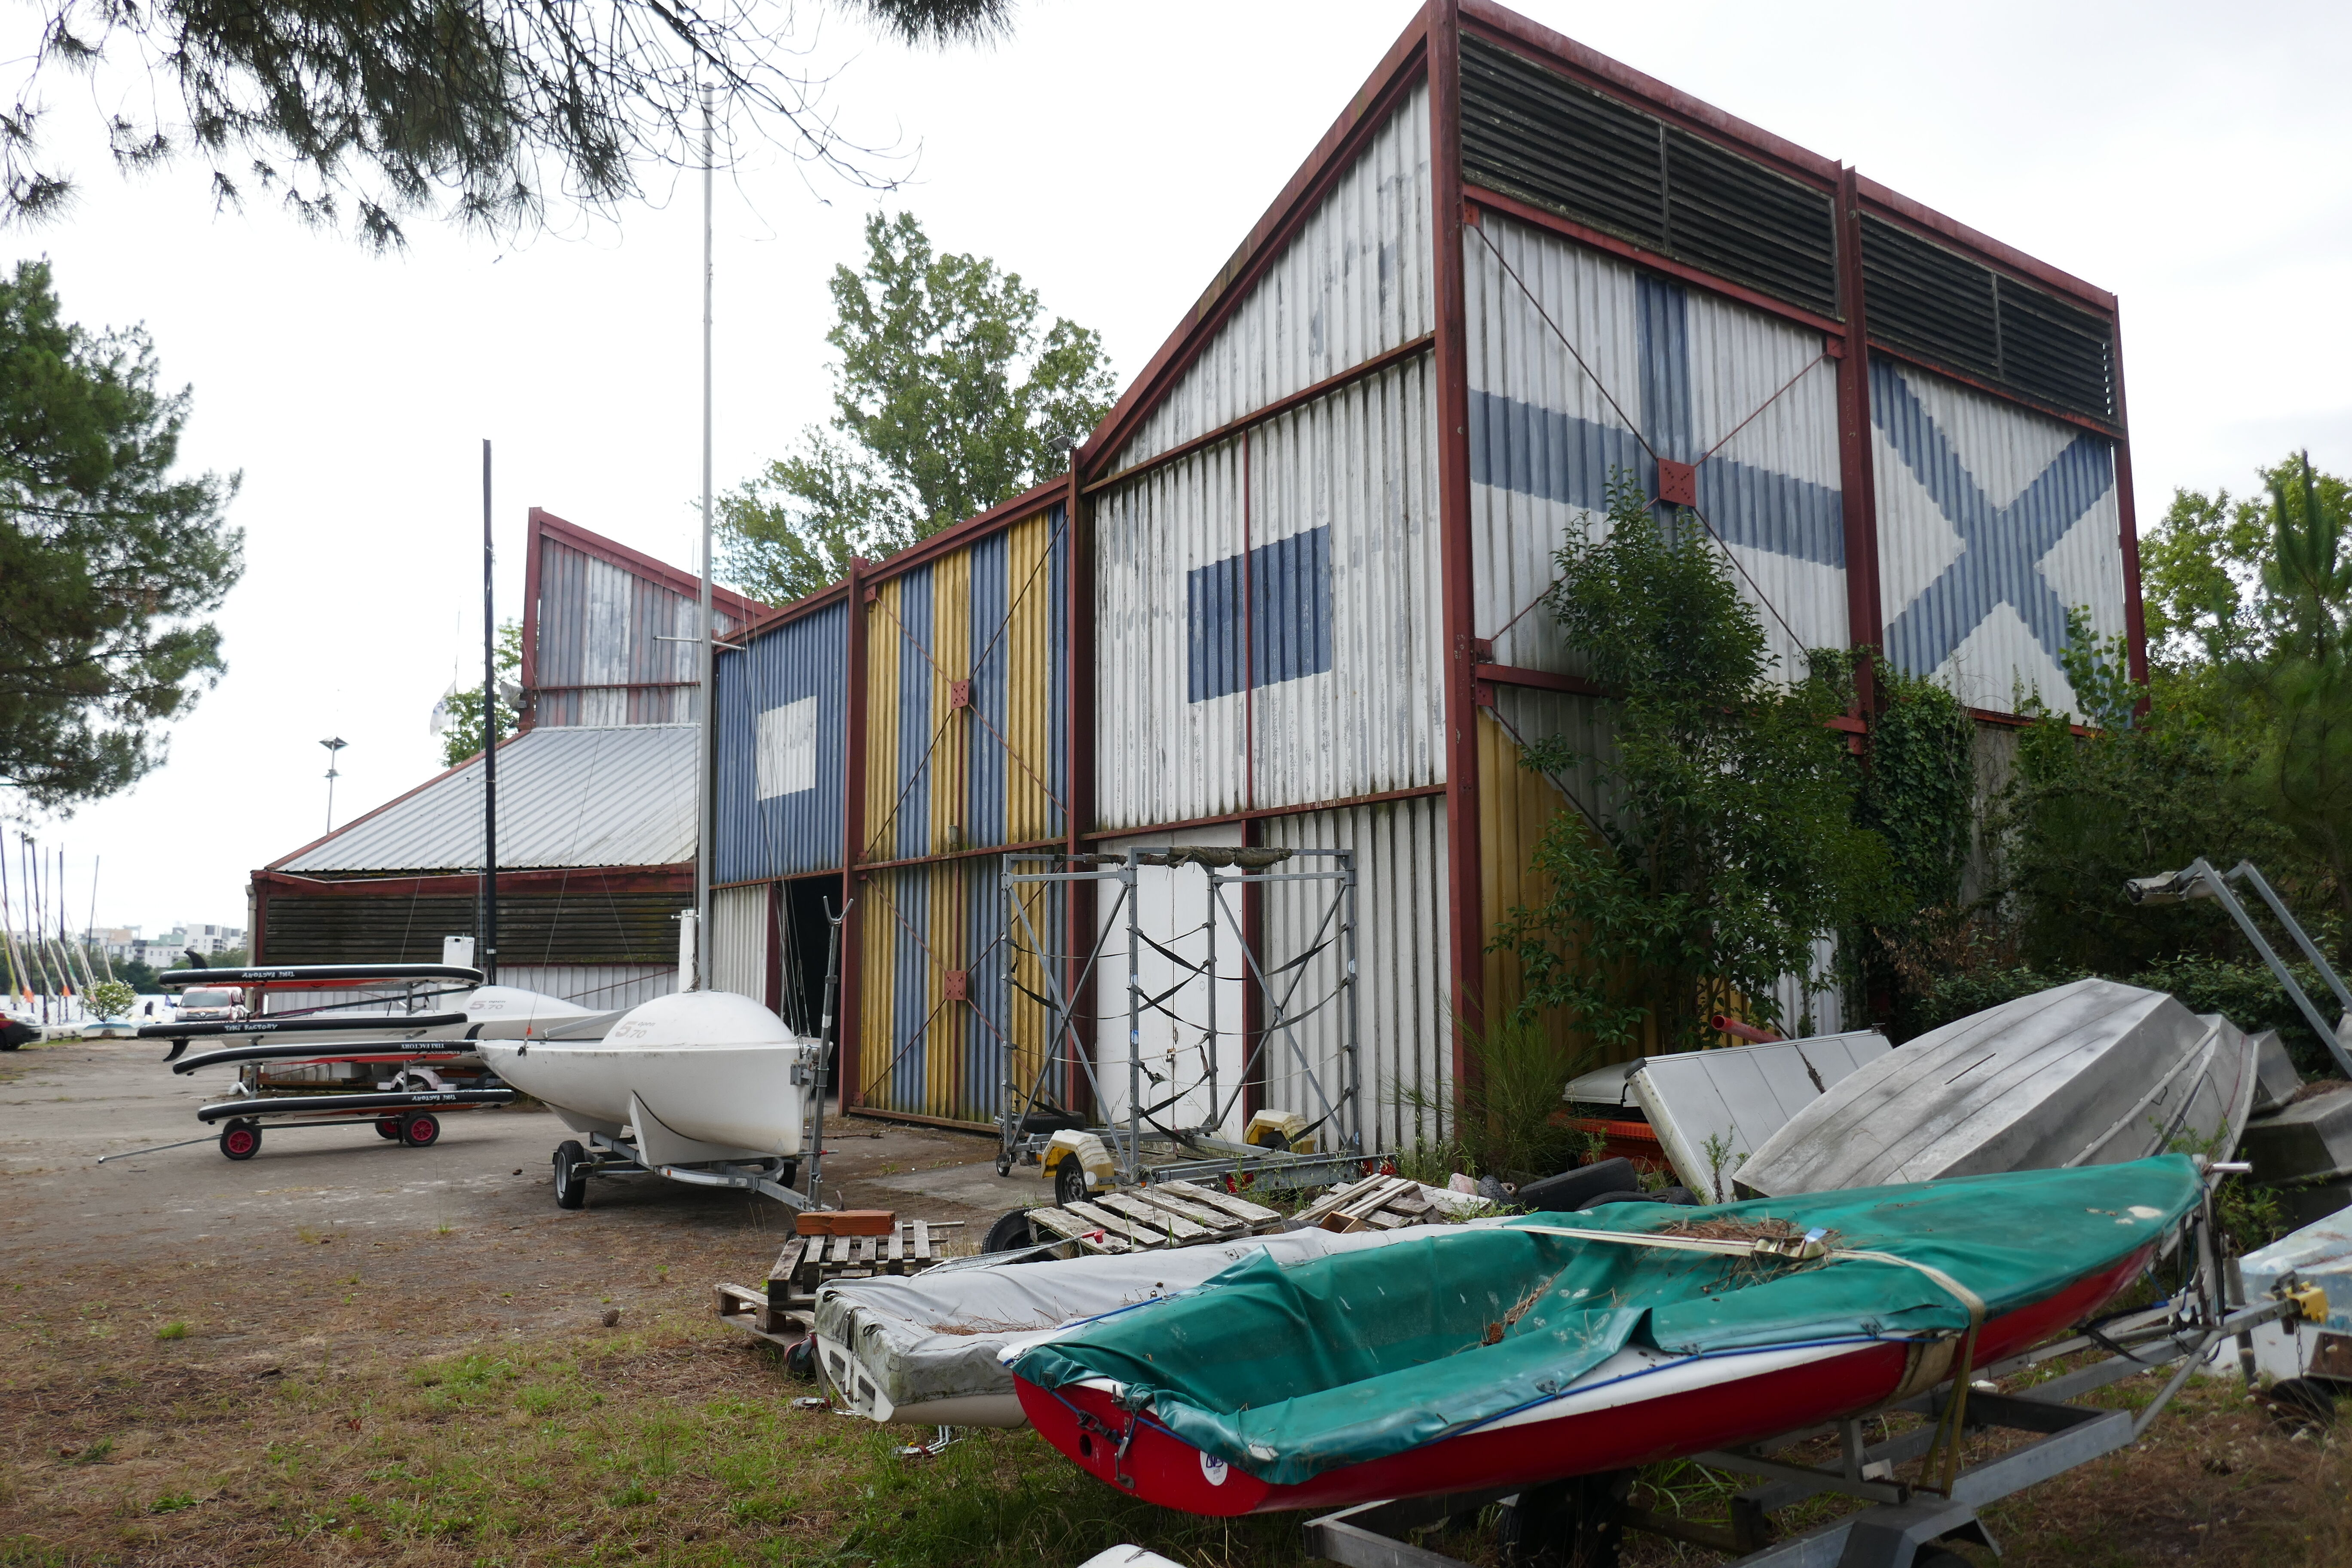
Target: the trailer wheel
pixel 1010 1233
pixel 1069 1182
pixel 240 1140
pixel 388 1127
pixel 570 1175
pixel 421 1131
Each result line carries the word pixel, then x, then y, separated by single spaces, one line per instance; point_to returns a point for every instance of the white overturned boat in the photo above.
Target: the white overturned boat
pixel 697 1078
pixel 2093 1073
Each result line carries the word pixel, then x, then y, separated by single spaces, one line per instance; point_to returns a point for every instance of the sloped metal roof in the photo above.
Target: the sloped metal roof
pixel 568 795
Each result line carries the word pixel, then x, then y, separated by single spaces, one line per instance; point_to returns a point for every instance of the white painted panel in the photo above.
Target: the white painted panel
pixel 786 758
pixel 1172 1041
pixel 738 941
pixel 1401 1012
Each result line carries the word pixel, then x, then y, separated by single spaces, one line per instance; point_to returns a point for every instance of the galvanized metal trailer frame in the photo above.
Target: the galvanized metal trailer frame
pixel 1907 1519
pixel 1190 1153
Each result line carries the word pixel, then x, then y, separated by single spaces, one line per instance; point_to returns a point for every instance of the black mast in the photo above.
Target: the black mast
pixel 489 954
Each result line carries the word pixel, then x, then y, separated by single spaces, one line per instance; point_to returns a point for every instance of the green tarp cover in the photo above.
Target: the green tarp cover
pixel 1288 1373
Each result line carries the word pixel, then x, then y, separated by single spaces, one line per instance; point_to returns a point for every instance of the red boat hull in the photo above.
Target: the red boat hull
pixel 1160 1467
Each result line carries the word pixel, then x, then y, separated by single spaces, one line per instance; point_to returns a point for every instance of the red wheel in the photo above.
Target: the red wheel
pixel 240 1141
pixel 421 1131
pixel 388 1127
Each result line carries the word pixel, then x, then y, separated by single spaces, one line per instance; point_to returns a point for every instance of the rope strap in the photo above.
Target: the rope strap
pixel 1809 1248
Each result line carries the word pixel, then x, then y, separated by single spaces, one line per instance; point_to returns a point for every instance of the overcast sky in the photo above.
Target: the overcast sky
pixel 2192 159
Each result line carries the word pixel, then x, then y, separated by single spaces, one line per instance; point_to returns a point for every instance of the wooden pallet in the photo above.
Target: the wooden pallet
pixel 809 1262
pixel 750 1310
pixel 1376 1202
pixel 1144 1219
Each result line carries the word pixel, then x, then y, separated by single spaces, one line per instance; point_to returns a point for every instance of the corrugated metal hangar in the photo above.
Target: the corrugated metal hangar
pixel 1289 593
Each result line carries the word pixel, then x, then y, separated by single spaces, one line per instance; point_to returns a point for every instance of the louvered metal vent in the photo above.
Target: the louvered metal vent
pixel 600 928
pixel 1534 134
pixel 1959 313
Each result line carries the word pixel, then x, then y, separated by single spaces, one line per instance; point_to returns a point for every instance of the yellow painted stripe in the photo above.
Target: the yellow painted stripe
pixel 950 661
pixel 1028 724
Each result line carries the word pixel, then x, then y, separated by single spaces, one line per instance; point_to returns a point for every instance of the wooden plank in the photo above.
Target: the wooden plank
pixel 1332 1201
pixel 735 1298
pixel 1215 1221
pixel 1380 1219
pixel 899 1244
pixel 1118 1224
pixel 1166 1223
pixel 788 1262
pixel 1070 1227
pixel 921 1239
pixel 1240 1208
pixel 847 1221
pixel 1377 1199
pixel 1412 1203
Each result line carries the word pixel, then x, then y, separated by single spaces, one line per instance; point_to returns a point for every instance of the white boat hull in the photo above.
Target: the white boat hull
pixel 696 1077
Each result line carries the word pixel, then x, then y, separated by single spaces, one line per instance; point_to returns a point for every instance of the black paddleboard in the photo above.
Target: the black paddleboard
pixel 391 1050
pixel 318 976
pixel 306 1104
pixel 347 1024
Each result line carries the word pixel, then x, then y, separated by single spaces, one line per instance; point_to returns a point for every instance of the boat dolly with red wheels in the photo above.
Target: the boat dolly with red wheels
pixel 416 1047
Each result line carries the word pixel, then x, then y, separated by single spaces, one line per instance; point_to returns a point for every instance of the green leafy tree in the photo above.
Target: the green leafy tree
pixel 2137 793
pixel 459 715
pixel 949 396
pixel 2304 690
pixel 1727 842
pixel 108 559
pixel 343 110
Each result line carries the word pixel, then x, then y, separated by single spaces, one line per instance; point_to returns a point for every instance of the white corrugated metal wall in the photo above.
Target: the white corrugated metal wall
pixel 1993 522
pixel 738 941
pixel 1339 607
pixel 1353 282
pixel 1401 1009
pixel 1753 399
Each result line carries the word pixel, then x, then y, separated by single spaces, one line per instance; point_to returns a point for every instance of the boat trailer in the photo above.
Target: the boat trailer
pixel 1906 1520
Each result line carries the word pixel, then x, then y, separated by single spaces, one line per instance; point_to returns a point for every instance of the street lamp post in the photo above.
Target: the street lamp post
pixel 335 745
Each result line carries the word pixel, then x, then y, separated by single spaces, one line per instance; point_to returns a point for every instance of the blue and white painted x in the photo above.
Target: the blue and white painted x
pixel 2001 547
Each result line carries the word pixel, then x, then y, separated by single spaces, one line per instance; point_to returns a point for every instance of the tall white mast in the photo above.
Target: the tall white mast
pixel 702 794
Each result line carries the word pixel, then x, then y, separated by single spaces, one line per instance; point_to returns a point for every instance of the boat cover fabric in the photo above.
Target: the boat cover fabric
pixel 938 1334
pixel 1288 1373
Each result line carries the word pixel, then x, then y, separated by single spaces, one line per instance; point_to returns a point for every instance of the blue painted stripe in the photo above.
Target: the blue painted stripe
pixel 983 1052
pixel 910 990
pixel 1662 319
pixel 911 829
pixel 2000 546
pixel 1289 620
pixel 988 762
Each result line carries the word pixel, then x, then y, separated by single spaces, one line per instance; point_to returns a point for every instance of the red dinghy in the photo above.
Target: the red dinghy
pixel 1482 1357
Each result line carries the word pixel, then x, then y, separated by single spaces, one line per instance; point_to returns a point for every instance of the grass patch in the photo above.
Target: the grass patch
pixel 173 1332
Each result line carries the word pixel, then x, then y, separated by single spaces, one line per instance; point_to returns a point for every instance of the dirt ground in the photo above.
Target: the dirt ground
pixel 345 1350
